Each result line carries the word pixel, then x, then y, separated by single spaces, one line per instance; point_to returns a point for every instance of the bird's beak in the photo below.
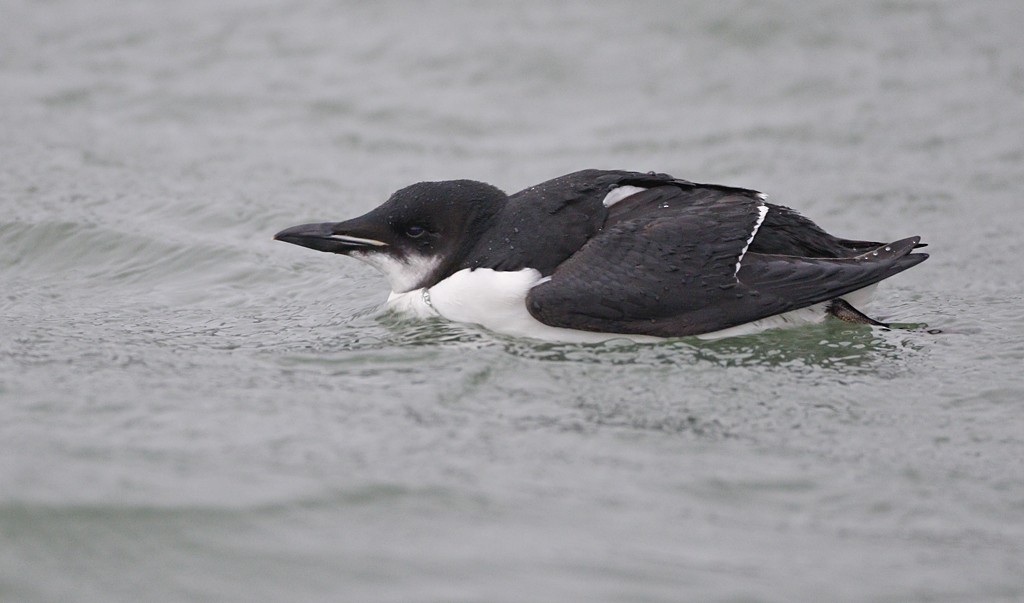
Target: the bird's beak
pixel 333 237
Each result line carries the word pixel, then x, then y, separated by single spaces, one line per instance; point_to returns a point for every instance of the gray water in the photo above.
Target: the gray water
pixel 191 411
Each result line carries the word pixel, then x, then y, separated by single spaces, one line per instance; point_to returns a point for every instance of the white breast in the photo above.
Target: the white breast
pixel 496 301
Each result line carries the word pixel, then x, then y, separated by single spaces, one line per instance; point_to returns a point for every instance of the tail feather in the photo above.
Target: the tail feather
pixel 904 258
pixel 900 250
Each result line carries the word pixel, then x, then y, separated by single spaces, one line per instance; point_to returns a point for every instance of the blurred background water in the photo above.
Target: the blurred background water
pixel 190 411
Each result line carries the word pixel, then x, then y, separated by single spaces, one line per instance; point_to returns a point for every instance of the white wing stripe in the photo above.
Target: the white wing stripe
pixel 763 211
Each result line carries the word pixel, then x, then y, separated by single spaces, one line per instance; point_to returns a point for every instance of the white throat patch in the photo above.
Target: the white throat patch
pixel 402 275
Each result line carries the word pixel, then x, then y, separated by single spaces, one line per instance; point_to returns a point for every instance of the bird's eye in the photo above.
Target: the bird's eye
pixel 414 231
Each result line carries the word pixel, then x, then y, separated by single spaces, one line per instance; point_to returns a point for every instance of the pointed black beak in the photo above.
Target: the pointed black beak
pixel 327 236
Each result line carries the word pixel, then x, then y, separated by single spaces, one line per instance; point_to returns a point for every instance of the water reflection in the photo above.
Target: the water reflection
pixel 831 344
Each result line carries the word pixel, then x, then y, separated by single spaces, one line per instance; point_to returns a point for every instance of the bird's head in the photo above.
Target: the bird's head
pixel 416 237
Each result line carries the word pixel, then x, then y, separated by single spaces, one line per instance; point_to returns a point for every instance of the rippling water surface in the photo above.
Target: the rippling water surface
pixel 190 411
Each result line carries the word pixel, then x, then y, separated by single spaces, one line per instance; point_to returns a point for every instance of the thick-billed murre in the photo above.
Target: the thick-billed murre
pixel 596 255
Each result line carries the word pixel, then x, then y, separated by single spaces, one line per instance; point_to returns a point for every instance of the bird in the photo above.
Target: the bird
pixel 604 254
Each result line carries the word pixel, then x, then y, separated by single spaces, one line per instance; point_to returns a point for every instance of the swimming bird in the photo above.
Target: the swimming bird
pixel 601 254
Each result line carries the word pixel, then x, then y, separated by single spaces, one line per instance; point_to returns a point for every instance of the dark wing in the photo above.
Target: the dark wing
pixel 786 232
pixel 816 279
pixel 783 231
pixel 676 272
pixel 663 258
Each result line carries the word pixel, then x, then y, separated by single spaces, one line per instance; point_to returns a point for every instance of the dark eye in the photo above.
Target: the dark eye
pixel 414 231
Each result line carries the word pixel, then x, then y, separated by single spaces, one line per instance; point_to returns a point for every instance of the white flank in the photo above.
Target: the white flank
pixel 804 316
pixel 861 297
pixel 763 211
pixel 795 318
pixel 621 192
pixel 402 275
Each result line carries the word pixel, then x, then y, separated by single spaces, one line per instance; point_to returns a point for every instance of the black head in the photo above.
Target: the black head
pixel 416 237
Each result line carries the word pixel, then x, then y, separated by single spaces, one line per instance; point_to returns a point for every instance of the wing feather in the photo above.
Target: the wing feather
pixel 665 264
